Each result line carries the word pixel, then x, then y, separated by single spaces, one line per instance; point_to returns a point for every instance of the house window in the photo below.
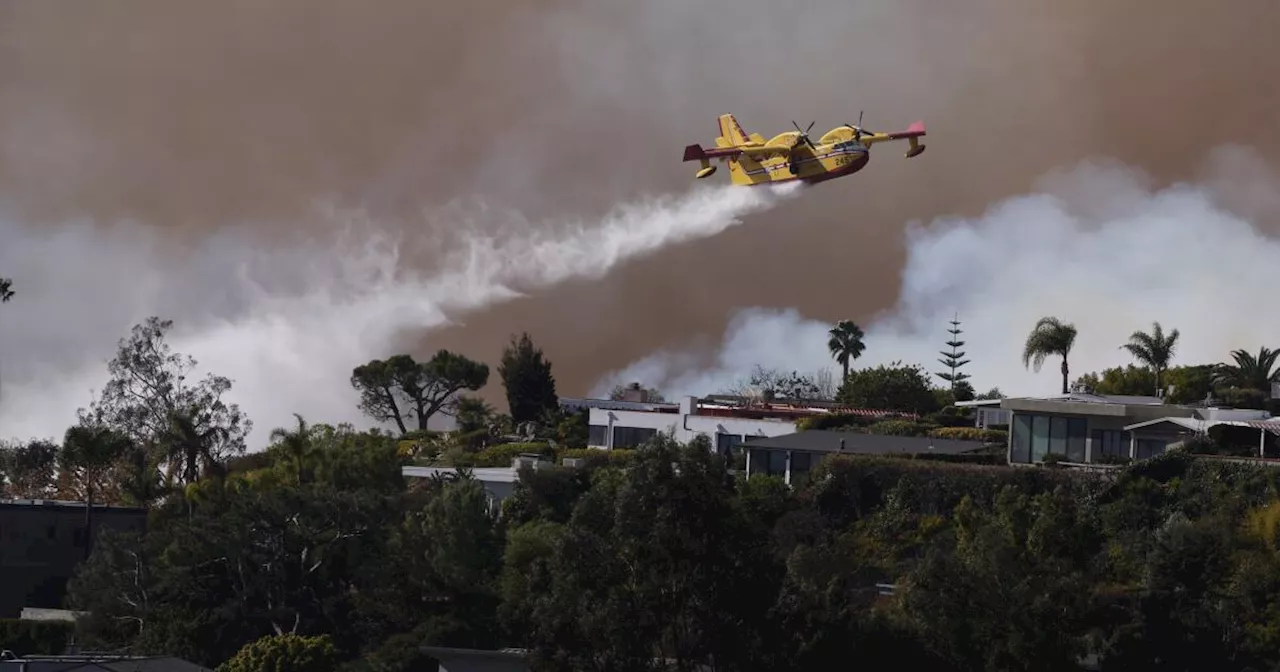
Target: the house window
pixel 768 462
pixel 597 435
pixel 1037 436
pixel 632 437
pixel 1150 447
pixel 728 444
pixel 1020 448
pixel 801 463
pixel 1110 443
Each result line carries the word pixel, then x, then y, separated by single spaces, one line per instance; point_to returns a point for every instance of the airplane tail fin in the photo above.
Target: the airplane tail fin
pixel 732 131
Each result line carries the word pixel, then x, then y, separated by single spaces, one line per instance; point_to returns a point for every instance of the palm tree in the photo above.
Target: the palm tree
pixel 1050 336
pixel 1250 372
pixel 88 453
pixel 188 446
pixel 1154 349
pixel 845 344
pixel 295 445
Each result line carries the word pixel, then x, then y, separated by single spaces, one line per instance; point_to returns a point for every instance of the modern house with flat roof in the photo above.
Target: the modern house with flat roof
pixel 728 421
pixel 1088 428
pixel 793 456
pixel 41 543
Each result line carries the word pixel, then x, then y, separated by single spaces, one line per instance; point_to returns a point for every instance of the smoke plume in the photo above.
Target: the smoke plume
pixel 288 326
pixel 1096 246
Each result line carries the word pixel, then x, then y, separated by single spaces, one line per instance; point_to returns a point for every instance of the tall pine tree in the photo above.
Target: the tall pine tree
pixel 953 360
pixel 531 389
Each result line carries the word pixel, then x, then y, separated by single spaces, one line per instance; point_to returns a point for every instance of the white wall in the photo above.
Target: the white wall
pixel 686 427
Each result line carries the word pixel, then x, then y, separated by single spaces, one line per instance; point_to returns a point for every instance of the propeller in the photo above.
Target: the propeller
pixel 804 134
pixel 804 137
pixel 857 130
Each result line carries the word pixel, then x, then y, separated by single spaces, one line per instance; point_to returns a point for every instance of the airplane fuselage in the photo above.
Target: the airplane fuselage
pixel 820 163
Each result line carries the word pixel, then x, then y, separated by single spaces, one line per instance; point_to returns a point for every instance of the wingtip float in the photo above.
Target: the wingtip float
pixel 791 155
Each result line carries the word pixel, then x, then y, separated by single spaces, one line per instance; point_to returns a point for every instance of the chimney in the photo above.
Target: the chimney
pixel 635 392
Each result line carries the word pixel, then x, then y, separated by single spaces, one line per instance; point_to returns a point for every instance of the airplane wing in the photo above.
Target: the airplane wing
pixel 913 134
pixel 697 153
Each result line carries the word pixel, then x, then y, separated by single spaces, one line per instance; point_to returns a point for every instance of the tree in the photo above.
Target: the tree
pixel 1153 349
pixel 285 653
pixel 1050 337
pixel 150 386
pixel 652 393
pixel 29 469
pixel 952 360
pixel 88 454
pixel 6 289
pixel 845 344
pixel 1126 380
pixel 1250 372
pixel 400 389
pixel 526 375
pixel 295 446
pixel 889 388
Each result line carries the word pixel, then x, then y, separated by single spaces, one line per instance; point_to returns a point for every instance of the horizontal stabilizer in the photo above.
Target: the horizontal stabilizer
pixel 913 131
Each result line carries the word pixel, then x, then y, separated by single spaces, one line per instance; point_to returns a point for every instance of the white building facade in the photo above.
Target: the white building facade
pixel 624 425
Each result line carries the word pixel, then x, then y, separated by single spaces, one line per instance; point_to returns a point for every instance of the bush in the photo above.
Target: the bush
pixel 901 428
pixel 285 653
pixel 836 421
pixel 990 459
pixel 596 457
pixel 845 488
pixel 950 417
pixel 503 454
pixel 35 638
pixel 971 434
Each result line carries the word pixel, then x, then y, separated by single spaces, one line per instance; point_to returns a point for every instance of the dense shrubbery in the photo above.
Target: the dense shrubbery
pixel 28 638
pixel 971 434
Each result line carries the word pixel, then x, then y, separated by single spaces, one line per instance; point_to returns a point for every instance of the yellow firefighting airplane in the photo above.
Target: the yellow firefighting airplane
pixel 790 155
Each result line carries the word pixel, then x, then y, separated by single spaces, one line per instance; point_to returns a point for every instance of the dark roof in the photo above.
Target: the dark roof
pixel 67 504
pixel 821 441
pixel 104 663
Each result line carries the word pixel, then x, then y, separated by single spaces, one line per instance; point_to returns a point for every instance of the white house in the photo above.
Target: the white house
pixel 726 421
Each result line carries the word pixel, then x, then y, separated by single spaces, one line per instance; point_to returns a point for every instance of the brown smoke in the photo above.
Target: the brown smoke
pixel 192 116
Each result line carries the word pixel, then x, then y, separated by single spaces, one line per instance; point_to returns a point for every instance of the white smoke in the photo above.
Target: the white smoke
pixel 1095 246
pixel 288 324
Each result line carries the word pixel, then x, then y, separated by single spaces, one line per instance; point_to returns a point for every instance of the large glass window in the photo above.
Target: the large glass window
pixel 632 437
pixel 1036 436
pixel 727 444
pixel 1058 436
pixel 1021 443
pixel 1077 432
pixel 1039 437
pixel 1110 443
pixel 597 435
pixel 768 462
pixel 801 463
pixel 778 462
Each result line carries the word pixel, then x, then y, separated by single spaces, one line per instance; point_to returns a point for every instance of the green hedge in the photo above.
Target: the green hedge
pixel 35 638
pixel 835 421
pixel 971 434
pixel 503 454
pixel 596 457
pixel 901 428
